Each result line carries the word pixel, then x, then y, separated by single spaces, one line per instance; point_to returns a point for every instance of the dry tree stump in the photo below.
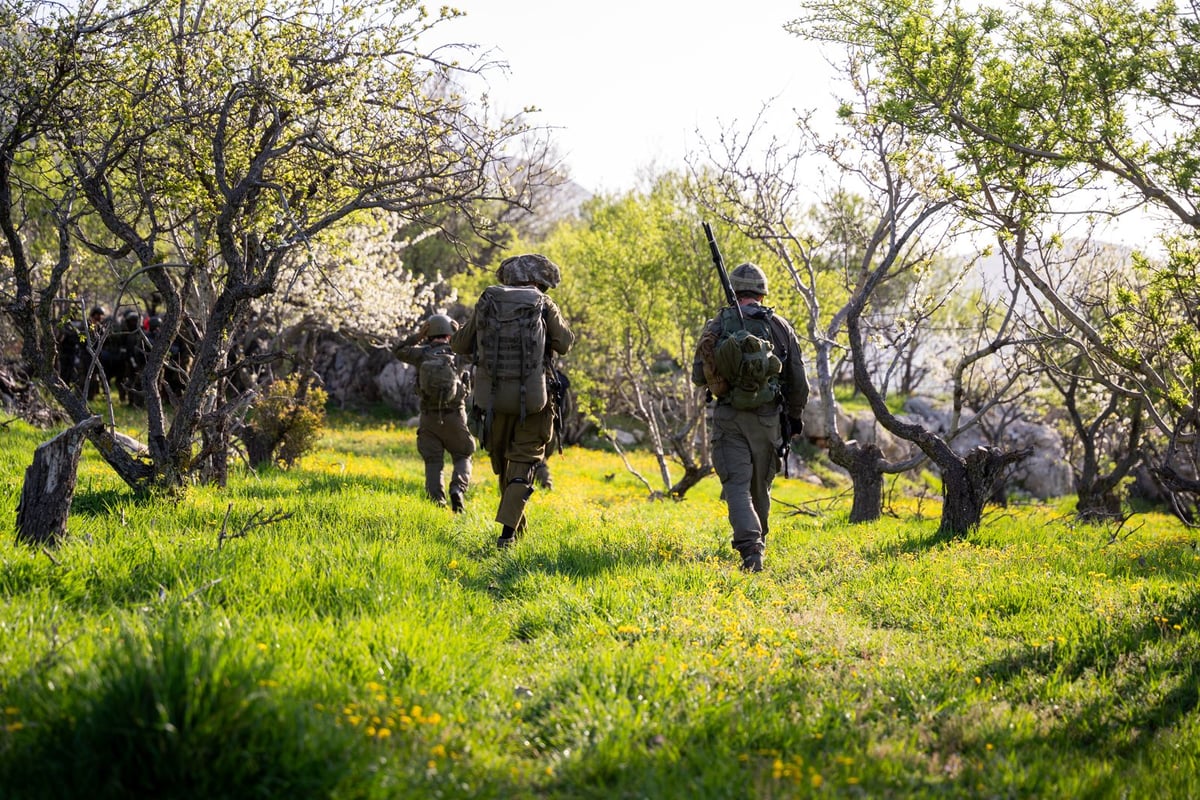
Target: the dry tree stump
pixel 50 485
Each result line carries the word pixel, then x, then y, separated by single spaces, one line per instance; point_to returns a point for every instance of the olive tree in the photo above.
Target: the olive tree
pixel 1056 109
pixel 213 145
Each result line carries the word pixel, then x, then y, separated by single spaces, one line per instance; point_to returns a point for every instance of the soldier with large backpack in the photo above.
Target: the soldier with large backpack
pixel 511 336
pixel 442 388
pixel 749 358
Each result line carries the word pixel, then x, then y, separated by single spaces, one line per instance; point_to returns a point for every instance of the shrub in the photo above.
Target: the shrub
pixel 285 422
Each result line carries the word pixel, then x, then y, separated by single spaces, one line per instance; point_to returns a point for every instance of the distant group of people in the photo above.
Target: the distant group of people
pixel 492 379
pixel 111 351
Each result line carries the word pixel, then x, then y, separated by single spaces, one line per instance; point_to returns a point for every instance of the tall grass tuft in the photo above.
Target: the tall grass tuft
pixel 184 709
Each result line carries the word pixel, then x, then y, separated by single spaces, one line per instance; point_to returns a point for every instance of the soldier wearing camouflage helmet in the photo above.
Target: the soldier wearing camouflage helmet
pixel 747 422
pixel 442 387
pixel 512 335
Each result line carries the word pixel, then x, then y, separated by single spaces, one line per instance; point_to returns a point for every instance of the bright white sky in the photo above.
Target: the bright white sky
pixel 628 83
pixel 629 86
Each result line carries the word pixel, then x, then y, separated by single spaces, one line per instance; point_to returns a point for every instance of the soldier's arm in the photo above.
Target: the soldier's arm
pixel 560 335
pixel 463 340
pixel 407 349
pixel 795 386
pixel 704 369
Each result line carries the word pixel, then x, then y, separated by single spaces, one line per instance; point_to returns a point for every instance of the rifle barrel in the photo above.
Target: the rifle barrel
pixel 719 262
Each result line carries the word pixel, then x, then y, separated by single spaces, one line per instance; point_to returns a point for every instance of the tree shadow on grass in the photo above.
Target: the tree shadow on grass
pixel 575 560
pixel 1123 722
pixel 326 484
pixel 93 503
pixel 97 503
pixel 911 545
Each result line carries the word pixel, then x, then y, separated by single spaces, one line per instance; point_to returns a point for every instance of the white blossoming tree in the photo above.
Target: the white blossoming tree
pixel 357 285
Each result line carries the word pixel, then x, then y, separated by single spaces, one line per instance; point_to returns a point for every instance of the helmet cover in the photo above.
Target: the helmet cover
pixel 748 278
pixel 532 268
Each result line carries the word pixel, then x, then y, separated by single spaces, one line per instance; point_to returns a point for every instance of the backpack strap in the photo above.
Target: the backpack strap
pixel 491 409
pixel 546 347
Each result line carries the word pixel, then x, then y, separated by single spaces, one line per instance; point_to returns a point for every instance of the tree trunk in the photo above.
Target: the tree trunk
pixel 1181 490
pixel 213 461
pixel 1096 499
pixel 968 483
pixel 1097 507
pixel 50 485
pixel 691 476
pixel 260 446
pixel 865 464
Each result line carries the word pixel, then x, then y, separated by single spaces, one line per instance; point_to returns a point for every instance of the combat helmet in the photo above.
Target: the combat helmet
pixel 532 268
pixel 440 325
pixel 748 278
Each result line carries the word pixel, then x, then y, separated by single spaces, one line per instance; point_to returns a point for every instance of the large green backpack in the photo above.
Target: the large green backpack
pixel 439 380
pixel 510 350
pixel 745 356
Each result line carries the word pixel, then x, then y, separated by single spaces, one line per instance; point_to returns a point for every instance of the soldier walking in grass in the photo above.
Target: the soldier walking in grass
pixel 750 362
pixel 511 336
pixel 442 387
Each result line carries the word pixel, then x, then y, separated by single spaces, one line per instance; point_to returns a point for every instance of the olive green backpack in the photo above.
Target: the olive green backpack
pixel 745 356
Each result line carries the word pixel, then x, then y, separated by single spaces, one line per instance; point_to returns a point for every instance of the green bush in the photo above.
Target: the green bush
pixel 285 422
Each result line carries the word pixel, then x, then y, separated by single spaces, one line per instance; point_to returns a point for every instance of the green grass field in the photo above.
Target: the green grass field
pixel 373 645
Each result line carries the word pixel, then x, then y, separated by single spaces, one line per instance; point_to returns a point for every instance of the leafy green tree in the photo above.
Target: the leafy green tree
pixel 637 288
pixel 1040 102
pixel 211 142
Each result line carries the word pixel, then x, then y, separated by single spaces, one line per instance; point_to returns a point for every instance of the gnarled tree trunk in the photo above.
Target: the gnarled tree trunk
pixel 968 483
pixel 865 464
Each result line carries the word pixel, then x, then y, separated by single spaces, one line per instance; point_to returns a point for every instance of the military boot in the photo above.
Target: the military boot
pixel 752 562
